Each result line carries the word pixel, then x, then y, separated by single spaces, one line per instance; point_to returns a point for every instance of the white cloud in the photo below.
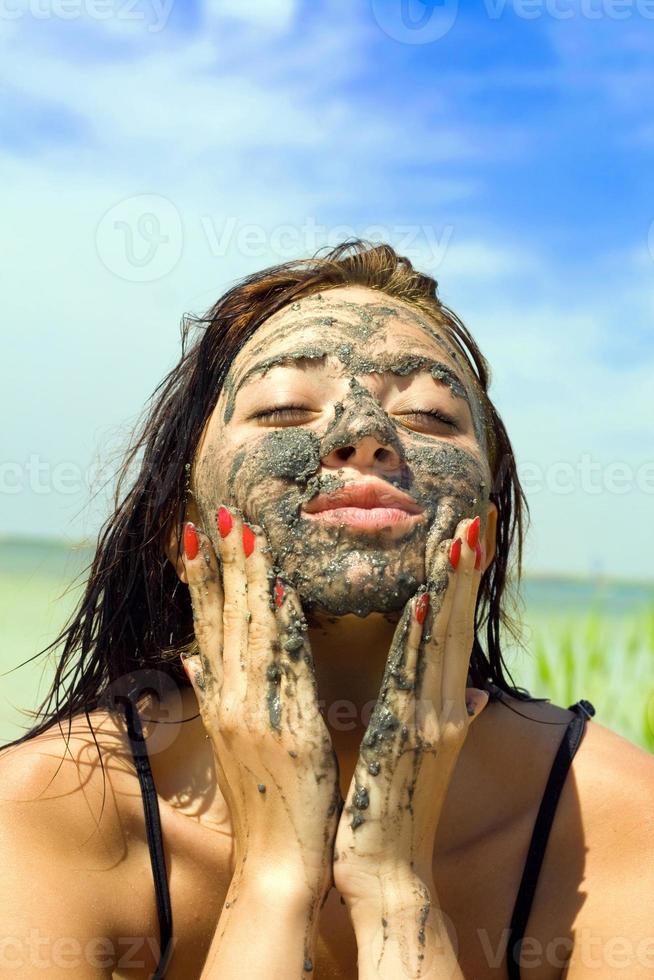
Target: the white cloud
pixel 483 260
pixel 277 15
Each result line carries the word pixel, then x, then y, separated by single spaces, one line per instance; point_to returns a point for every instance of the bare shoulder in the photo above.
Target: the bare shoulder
pixel 606 767
pixel 63 786
pixel 615 779
pixel 598 880
pixel 613 788
pixel 610 777
pixel 64 833
pixel 608 793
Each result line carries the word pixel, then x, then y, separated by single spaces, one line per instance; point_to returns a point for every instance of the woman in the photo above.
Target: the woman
pixel 280 656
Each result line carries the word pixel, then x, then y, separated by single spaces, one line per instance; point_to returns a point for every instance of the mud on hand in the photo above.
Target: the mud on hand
pixel 417 727
pixel 255 685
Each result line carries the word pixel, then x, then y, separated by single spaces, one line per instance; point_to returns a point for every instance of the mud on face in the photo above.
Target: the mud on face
pixel 269 473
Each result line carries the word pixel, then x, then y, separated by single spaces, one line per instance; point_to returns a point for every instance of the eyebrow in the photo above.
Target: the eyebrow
pixel 403 365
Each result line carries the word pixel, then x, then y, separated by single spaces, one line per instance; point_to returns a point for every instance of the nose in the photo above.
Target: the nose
pixel 362 436
pixel 365 452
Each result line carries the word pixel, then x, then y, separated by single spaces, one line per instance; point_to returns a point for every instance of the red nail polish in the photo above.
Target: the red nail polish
pixel 278 593
pixel 249 538
pixel 191 541
pixel 478 556
pixel 224 521
pixel 422 605
pixel 473 532
pixel 455 552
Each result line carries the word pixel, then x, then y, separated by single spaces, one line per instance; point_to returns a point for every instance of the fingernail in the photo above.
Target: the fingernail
pixel 224 521
pixel 455 552
pixel 422 606
pixel 278 593
pixel 191 541
pixel 249 538
pixel 479 553
pixel 473 532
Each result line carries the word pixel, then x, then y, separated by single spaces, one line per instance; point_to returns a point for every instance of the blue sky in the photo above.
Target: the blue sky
pixel 150 155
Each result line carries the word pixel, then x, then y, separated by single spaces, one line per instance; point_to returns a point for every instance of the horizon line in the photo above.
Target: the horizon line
pixel 597 577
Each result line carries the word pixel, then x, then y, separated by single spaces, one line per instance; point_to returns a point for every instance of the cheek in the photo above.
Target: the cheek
pixel 254 474
pixel 212 476
pixel 452 472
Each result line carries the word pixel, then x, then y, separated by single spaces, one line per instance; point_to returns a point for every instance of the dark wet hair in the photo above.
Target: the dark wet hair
pixel 134 617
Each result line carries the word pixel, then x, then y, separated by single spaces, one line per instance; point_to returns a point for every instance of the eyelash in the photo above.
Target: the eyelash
pixel 287 409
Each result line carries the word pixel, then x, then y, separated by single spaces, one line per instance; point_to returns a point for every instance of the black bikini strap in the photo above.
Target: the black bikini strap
pixel 154 835
pixel 564 756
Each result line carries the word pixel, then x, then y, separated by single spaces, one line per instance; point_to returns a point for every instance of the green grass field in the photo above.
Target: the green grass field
pixel 607 659
pixel 582 639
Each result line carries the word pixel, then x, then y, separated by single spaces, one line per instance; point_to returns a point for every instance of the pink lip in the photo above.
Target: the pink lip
pixel 367 505
pixel 370 494
pixel 365 518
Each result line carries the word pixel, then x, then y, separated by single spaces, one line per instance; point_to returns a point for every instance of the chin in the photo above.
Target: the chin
pixel 350 596
pixel 360 606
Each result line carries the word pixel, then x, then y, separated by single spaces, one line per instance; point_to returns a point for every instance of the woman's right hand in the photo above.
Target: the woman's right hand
pixel 254 681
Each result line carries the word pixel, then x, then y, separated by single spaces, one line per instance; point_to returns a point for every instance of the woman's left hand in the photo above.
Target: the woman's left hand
pixel 418 725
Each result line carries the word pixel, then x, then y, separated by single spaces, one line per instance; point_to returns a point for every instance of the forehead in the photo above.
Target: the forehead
pixel 352 323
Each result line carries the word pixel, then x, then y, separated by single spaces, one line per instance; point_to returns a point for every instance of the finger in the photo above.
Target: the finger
pixel 206 593
pixel 441 589
pixel 393 713
pixel 236 613
pixel 419 607
pixel 192 665
pixel 299 691
pixel 461 625
pixel 399 680
pixel 263 674
pixel 443 526
pixel 262 626
pixel 399 683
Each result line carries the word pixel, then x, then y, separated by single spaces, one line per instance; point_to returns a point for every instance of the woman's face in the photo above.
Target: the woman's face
pixel 362 367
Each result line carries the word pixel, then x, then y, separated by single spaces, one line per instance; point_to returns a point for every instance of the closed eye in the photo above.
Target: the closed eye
pixel 283 412
pixel 288 411
pixel 433 414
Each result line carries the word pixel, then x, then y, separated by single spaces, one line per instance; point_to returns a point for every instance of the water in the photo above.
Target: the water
pixel 602 595
pixel 36 557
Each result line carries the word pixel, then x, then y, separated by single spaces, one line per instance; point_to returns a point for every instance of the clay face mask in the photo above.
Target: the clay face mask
pixel 270 473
